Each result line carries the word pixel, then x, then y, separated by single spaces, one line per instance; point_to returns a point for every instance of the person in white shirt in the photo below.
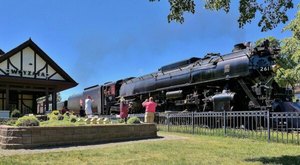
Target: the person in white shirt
pixel 88 106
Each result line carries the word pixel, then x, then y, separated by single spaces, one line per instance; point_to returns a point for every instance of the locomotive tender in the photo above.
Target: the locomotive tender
pixel 240 80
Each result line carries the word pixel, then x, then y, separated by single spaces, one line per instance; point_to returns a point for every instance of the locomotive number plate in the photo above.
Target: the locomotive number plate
pixel 264 68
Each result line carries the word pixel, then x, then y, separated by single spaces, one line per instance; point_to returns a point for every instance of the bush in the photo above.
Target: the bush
pixel 106 121
pixel 69 116
pixel 121 120
pixel 27 121
pixel 11 122
pixel 15 113
pixel 73 118
pixel 134 120
pixel 54 115
pixel 60 117
pixel 41 117
pixel 55 112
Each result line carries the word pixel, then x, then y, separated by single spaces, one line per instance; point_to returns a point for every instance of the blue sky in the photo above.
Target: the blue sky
pixel 96 41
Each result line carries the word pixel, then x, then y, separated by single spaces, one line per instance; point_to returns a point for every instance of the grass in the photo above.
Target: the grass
pixel 194 149
pixel 275 136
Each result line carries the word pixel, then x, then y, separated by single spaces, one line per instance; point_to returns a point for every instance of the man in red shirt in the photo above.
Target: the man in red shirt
pixel 150 106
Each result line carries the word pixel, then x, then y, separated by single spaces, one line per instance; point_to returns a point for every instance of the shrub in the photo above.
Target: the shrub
pixel 106 121
pixel 55 112
pixel 41 117
pixel 27 121
pixel 121 120
pixel 11 122
pixel 3 122
pixel 15 113
pixel 134 120
pixel 67 116
pixel 60 117
pixel 54 115
pixel 73 118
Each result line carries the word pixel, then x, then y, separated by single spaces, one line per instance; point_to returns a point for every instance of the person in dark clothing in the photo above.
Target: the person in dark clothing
pixel 81 112
pixel 64 110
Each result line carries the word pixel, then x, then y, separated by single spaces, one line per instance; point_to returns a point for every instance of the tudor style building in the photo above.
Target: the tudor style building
pixel 28 73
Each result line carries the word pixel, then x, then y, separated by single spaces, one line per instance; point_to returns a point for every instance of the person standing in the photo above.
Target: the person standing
pixel 123 109
pixel 64 110
pixel 81 112
pixel 150 106
pixel 88 106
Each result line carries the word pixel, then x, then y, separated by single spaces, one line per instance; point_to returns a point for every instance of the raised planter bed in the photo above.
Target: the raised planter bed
pixel 34 137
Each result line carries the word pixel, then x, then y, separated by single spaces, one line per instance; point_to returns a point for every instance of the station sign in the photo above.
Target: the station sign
pixel 28 63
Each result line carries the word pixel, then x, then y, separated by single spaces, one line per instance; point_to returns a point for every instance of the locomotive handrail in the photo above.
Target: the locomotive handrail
pixel 181 85
pixel 248 55
pixel 216 59
pixel 198 63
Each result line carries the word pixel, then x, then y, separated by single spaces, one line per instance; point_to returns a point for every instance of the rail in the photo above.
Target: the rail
pixel 268 126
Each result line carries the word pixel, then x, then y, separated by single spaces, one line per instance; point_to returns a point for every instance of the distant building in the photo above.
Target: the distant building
pixel 28 73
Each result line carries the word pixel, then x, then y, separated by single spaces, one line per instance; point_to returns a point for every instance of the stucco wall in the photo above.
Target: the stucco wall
pixel 33 137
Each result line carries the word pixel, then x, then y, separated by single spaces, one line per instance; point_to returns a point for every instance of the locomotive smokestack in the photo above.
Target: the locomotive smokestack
pixel 239 47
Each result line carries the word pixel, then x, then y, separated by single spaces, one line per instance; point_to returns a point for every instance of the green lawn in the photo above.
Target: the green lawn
pixel 197 149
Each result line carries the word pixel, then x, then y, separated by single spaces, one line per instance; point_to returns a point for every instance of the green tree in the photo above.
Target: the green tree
pixel 290 51
pixel 272 12
pixel 275 43
pixel 288 72
pixel 284 63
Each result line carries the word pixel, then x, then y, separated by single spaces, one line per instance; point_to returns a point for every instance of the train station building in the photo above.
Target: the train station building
pixel 28 73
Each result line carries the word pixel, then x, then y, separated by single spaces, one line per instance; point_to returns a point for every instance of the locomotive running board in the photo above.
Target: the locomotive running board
pixel 248 92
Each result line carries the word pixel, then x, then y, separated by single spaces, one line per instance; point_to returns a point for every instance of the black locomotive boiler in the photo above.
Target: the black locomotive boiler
pixel 238 81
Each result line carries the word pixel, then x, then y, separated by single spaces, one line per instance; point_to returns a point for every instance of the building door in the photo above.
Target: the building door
pixel 13 100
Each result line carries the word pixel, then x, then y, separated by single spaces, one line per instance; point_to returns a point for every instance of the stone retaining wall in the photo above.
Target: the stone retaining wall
pixel 33 137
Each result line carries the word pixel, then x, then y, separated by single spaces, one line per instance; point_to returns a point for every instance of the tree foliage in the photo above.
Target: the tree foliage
pixel 291 51
pixel 288 72
pixel 284 64
pixel 274 43
pixel 272 12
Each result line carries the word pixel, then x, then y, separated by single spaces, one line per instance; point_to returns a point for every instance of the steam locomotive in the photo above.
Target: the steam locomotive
pixel 240 80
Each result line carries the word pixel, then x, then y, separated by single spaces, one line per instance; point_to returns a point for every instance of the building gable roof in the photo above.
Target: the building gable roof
pixel 30 63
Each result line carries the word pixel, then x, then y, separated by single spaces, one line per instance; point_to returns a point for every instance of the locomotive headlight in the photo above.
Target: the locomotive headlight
pixel 275 67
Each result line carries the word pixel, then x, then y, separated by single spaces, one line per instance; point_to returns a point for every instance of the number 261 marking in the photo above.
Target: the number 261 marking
pixel 264 68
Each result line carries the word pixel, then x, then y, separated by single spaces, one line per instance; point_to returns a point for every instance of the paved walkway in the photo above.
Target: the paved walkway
pixel 83 147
